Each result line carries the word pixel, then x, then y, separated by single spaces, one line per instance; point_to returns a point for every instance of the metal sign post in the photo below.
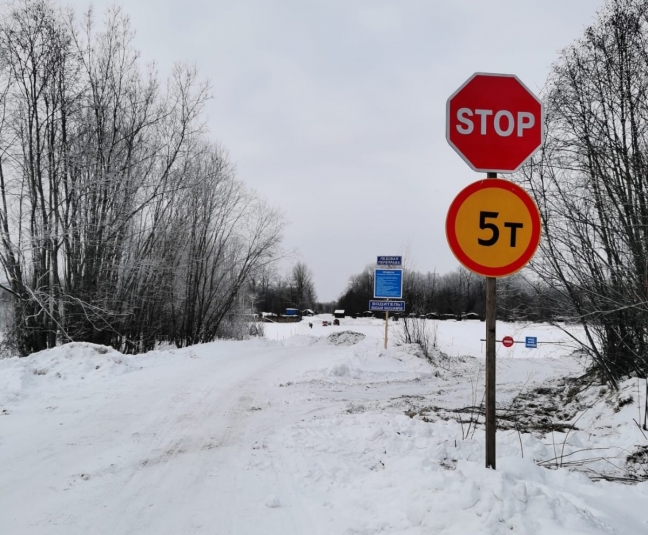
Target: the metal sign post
pixel 493 226
pixel 491 381
pixel 388 284
pixel 386 327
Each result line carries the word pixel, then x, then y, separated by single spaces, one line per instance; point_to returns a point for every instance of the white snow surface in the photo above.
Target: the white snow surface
pixel 304 433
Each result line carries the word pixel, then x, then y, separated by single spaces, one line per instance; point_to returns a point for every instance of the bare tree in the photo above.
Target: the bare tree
pixel 591 183
pixel 232 234
pixel 36 71
pixel 119 222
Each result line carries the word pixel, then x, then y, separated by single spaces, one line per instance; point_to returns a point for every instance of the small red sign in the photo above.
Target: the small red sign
pixel 507 341
pixel 494 122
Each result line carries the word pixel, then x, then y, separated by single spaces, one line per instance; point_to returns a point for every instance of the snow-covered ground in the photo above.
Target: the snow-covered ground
pixel 307 433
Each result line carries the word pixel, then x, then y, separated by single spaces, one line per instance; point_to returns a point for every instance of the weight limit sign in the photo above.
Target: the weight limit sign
pixel 493 227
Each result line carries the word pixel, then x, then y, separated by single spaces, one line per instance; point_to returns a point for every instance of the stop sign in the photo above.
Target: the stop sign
pixel 494 122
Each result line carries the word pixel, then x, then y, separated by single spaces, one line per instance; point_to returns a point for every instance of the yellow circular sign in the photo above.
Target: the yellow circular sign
pixel 493 227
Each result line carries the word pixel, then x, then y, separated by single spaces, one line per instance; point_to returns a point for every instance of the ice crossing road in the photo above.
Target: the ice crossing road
pixel 168 449
pixel 313 431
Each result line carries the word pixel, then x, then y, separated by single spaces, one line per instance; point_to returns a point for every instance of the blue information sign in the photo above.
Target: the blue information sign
pixel 390 261
pixel 388 283
pixel 531 342
pixel 387 306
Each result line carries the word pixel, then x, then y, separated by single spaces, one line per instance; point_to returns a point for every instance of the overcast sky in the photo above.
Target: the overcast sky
pixel 334 110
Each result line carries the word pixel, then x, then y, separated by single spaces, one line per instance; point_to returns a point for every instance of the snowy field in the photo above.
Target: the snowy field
pixel 313 431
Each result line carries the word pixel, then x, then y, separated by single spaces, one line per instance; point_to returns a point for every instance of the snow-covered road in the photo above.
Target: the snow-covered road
pixel 157 450
pixel 300 433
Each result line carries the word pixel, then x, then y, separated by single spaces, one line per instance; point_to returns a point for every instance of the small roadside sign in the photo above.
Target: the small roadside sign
pixel 531 342
pixel 390 261
pixel 507 341
pixel 388 283
pixel 387 306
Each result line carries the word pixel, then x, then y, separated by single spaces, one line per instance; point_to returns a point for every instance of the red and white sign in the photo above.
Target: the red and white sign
pixel 507 341
pixel 494 122
pixel 493 227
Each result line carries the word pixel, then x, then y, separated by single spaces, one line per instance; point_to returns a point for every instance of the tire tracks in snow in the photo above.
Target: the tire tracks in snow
pixel 193 476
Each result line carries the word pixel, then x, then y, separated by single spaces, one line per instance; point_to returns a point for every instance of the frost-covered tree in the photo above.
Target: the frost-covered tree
pixel 120 223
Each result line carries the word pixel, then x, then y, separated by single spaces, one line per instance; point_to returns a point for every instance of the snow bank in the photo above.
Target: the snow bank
pixel 383 473
pixel 345 338
pixel 66 364
pixel 607 430
pixel 364 362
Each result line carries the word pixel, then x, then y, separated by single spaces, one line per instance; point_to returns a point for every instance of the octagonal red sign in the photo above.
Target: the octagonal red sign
pixel 494 122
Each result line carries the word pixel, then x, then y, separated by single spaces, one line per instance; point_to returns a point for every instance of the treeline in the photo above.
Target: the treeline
pixel 459 292
pixel 120 222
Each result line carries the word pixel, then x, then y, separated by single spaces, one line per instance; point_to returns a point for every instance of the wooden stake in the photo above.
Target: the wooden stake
pixel 386 325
